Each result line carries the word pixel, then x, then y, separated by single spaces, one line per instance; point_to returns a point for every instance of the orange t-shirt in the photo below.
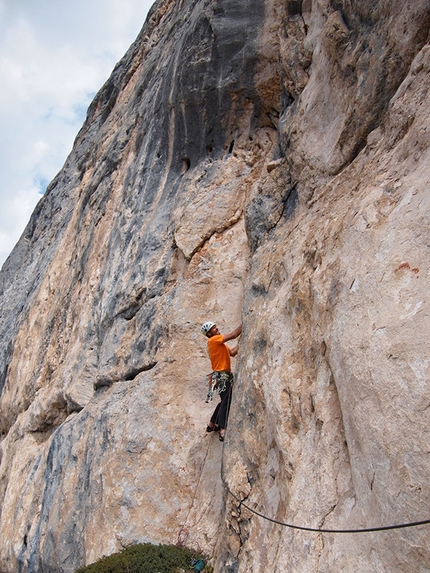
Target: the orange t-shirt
pixel 219 353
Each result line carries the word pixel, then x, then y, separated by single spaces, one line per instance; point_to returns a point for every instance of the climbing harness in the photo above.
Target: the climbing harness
pixel 221 379
pixel 218 381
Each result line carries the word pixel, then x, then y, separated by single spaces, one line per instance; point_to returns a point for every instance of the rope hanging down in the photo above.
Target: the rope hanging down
pixel 314 529
pixel 322 530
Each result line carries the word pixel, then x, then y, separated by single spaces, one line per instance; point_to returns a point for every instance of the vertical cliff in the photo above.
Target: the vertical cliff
pixel 264 161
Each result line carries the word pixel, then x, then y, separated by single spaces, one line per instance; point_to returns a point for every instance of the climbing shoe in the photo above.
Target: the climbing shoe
pixel 212 428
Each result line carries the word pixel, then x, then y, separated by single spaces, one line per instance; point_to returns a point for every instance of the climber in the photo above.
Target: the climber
pixel 219 354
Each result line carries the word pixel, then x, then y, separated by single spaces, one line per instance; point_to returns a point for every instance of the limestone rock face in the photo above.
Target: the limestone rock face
pixel 265 162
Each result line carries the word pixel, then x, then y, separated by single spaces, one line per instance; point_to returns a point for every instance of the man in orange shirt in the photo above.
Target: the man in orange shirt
pixel 219 354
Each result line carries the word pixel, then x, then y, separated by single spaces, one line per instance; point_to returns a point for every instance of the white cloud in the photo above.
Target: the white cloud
pixel 54 56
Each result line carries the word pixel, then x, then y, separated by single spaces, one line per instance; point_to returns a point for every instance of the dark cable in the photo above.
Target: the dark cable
pixel 366 530
pixel 316 530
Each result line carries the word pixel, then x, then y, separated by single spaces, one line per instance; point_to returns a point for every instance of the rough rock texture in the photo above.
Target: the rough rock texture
pixel 265 161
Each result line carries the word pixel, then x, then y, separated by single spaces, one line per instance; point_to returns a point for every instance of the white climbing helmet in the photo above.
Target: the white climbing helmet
pixel 206 327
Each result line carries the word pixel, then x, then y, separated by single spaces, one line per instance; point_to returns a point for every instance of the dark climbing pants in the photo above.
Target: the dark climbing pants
pixel 222 410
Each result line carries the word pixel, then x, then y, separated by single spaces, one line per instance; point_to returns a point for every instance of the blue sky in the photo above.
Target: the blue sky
pixel 54 57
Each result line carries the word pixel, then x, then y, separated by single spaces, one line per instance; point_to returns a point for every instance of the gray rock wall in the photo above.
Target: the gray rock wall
pixel 264 162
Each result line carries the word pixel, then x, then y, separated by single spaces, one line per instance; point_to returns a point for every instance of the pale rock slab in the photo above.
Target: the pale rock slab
pixel 264 162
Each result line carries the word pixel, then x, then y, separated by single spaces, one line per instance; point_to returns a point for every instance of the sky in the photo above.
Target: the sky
pixel 54 57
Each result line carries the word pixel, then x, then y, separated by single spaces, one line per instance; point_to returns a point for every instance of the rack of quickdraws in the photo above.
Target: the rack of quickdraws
pixel 211 385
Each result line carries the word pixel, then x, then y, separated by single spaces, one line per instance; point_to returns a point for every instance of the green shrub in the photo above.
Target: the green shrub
pixel 147 558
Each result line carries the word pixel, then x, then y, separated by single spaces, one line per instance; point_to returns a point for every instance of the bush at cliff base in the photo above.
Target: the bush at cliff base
pixel 147 558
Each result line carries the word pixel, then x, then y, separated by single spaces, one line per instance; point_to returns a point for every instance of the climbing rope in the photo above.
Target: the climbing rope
pixel 184 532
pixel 182 537
pixel 314 529
pixel 323 530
